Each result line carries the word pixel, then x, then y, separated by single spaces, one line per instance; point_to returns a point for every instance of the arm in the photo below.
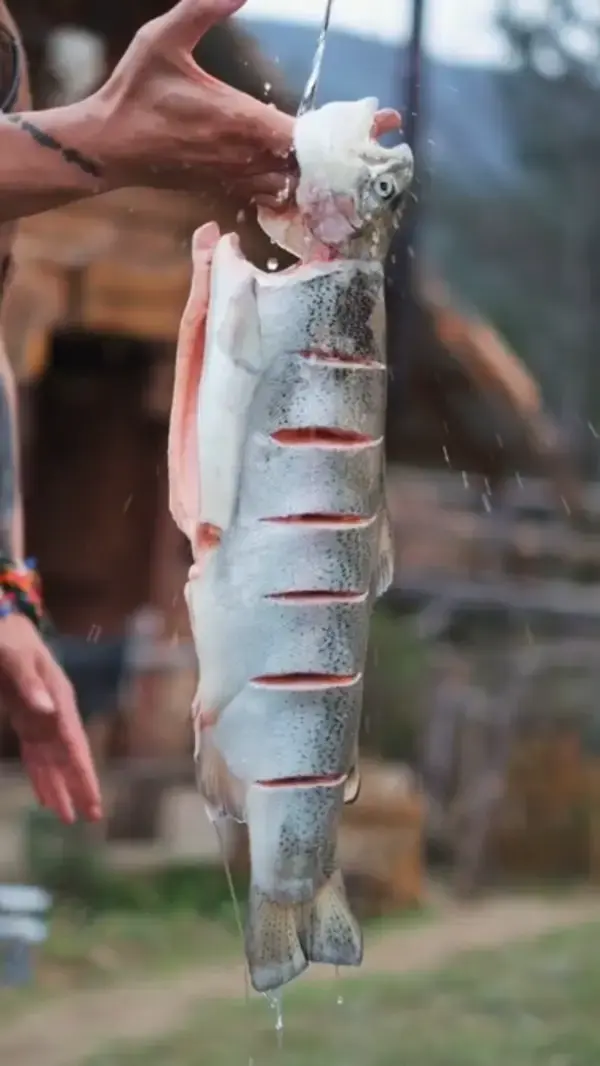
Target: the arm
pixel 11 507
pixel 33 688
pixel 47 159
pixel 158 121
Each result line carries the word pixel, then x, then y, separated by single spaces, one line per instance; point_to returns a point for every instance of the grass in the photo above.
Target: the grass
pixel 85 951
pixel 156 923
pixel 531 1005
pixel 152 924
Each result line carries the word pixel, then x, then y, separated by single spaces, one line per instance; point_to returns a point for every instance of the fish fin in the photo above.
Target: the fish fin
pixel 273 949
pixel 234 362
pixel 385 560
pixel 330 933
pixel 184 502
pixel 224 794
pixel 353 782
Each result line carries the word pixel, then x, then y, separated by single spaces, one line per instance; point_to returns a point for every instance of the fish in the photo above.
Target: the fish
pixel 276 478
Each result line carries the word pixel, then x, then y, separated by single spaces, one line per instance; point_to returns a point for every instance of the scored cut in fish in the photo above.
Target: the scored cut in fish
pixel 276 468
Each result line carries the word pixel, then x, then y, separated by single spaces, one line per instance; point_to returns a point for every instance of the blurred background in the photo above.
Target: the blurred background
pixel 478 822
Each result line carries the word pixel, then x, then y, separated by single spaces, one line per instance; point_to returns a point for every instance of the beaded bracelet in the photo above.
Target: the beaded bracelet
pixel 20 591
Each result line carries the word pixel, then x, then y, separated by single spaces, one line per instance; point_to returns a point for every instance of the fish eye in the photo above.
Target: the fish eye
pixel 385 187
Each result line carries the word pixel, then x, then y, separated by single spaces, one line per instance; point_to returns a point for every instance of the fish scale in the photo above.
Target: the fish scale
pixel 276 467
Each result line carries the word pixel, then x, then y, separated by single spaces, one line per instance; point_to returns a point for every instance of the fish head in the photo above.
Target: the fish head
pixel 352 189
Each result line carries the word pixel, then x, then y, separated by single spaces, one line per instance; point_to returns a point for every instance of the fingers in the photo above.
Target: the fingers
pixel 189 20
pixel 272 130
pixel 48 785
pixel 270 190
pixel 73 767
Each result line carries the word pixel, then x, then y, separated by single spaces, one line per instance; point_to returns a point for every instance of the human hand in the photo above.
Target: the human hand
pixel 165 122
pixel 42 708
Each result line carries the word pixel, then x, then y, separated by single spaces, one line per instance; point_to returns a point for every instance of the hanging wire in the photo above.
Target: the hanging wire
pixel 310 91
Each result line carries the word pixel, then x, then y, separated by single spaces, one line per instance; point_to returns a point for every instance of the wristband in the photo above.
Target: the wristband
pixel 20 591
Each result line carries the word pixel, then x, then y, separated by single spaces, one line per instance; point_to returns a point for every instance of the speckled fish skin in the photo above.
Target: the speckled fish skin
pixel 281 593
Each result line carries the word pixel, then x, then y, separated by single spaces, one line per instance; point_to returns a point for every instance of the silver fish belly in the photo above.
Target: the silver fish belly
pixel 281 609
pixel 276 464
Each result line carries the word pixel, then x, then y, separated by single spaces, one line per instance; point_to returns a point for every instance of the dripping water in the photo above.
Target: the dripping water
pixel 275 1001
pixel 340 997
pixel 237 914
pixel 310 91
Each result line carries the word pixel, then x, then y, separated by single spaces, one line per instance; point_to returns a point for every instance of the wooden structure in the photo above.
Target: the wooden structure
pixel 381 840
pixel 511 763
pixel 91 322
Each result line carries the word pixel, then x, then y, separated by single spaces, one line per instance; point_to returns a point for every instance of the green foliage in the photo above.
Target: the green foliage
pixel 395 672
pixel 70 863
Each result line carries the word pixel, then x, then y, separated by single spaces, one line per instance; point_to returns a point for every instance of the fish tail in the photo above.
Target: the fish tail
pixel 330 933
pixel 283 938
pixel 273 949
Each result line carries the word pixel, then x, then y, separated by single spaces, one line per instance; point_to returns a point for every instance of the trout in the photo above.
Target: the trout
pixel 276 470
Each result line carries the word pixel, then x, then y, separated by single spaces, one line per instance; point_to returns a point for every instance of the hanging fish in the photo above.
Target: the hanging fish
pixel 276 465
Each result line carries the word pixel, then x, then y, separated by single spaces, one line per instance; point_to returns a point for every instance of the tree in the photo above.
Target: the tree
pixel 553 102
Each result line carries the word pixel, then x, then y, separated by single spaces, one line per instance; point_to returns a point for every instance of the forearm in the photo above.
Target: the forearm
pixel 49 158
pixel 11 506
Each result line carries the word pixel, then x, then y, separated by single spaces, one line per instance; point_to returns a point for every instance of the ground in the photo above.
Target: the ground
pixel 530 1005
pixel 476 1005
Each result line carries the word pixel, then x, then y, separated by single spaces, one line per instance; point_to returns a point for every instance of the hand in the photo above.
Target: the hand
pixel 43 711
pixel 165 122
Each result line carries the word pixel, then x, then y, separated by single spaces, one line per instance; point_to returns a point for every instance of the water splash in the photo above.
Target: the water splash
pixel 275 1001
pixel 310 90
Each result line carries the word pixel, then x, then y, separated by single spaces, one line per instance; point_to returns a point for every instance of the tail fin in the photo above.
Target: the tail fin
pixel 330 933
pixel 281 939
pixel 273 948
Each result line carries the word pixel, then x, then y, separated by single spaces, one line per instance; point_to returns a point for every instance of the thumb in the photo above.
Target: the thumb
pixel 189 20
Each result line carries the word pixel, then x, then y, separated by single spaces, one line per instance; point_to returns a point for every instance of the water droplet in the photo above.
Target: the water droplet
pixel 272 264
pixel 275 1001
pixel 241 216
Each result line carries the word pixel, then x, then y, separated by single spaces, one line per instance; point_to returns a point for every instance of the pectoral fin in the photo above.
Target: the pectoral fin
pixel 385 561
pixel 353 782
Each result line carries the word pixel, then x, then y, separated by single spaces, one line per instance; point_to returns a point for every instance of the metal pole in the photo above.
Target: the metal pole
pixel 413 76
pixel 400 273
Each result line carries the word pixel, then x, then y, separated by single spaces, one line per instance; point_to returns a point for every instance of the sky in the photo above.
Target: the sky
pixel 457 30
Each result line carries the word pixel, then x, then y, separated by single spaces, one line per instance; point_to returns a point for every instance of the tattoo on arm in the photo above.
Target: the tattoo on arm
pixel 45 140
pixel 8 472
